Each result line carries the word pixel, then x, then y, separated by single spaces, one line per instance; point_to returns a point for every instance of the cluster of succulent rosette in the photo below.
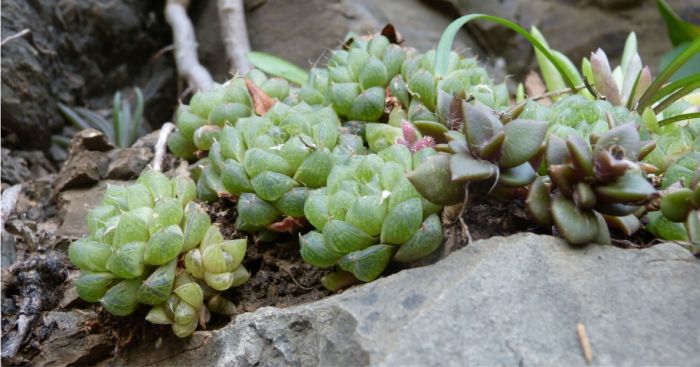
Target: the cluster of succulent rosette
pixel 360 161
pixel 140 236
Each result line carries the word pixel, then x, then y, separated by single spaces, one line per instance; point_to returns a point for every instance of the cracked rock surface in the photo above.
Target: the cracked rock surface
pixel 503 301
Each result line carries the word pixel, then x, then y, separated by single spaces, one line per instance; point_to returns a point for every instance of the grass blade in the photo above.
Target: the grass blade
pixel 633 90
pixel 648 98
pixel 73 117
pixel 678 94
pixel 125 125
pixel 115 117
pixel 276 66
pixel 137 117
pixel 61 141
pixel 679 31
pixel 672 87
pixel 673 119
pixel 442 54
pixel 97 121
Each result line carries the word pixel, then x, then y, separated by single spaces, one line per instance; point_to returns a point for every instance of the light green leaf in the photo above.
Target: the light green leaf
pixel 279 67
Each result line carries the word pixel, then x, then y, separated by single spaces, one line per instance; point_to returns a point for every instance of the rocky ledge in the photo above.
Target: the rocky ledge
pixel 503 301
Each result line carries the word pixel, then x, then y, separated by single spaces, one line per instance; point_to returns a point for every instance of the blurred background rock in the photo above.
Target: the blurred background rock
pixel 81 52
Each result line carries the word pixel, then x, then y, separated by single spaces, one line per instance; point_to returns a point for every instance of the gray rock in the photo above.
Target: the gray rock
pixel 69 341
pixel 8 252
pixel 576 28
pixel 304 31
pixel 503 301
pixel 74 205
pixel 128 163
pixel 77 51
pixel 23 165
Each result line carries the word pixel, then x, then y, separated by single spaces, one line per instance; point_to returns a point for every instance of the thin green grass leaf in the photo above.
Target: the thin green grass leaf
pixel 676 118
pixel 677 63
pixel 125 124
pixel 116 102
pixel 672 87
pixel 679 31
pixel 137 117
pixel 61 141
pixel 442 54
pixel 73 117
pixel 678 94
pixel 633 90
pixel 97 121
pixel 276 66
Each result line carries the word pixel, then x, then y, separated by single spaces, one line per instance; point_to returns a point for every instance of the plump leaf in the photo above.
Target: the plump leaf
pixel 343 237
pixel 315 252
pixel 127 261
pixel 676 205
pixel 91 286
pixel 368 213
pixel 630 187
pixel 538 202
pixel 423 242
pixel 523 140
pixel 271 186
pixel 89 255
pixel 255 211
pixel 164 245
pixel 577 226
pixel 402 221
pixel 314 172
pixel 433 180
pixel 368 264
pixel 518 176
pixel 316 210
pixel 156 288
pixel 120 300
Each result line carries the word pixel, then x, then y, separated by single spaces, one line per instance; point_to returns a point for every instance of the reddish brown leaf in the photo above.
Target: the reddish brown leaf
pixel 289 225
pixel 390 32
pixel 261 100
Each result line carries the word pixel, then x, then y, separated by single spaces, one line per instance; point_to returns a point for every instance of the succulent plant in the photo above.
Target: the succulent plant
pixel 577 114
pixel 373 80
pixel 589 186
pixel 487 150
pixel 270 163
pixel 201 122
pixel 124 129
pixel 680 203
pixel 676 156
pixel 138 236
pixel 370 214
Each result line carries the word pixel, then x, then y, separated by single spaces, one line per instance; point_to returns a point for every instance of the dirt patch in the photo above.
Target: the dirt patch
pixel 279 276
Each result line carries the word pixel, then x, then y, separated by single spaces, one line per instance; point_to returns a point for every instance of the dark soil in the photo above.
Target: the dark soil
pixel 279 276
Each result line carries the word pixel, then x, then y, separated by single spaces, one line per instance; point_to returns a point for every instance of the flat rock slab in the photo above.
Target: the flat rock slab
pixel 507 301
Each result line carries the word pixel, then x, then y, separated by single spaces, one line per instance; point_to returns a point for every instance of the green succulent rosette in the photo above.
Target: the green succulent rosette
pixel 370 214
pixel 576 114
pixel 199 124
pixel 374 80
pixel 592 186
pixel 505 156
pixel 138 236
pixel 270 163
pixel 680 203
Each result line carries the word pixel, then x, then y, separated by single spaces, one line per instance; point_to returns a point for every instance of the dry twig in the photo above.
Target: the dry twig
pixel 161 145
pixel 188 65
pixel 235 35
pixel 15 36
pixel 585 344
